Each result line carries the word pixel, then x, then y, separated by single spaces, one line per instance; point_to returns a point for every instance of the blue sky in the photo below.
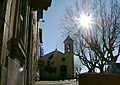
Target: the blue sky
pixel 51 34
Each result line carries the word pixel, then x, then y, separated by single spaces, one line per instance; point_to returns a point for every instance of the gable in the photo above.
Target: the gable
pixel 52 54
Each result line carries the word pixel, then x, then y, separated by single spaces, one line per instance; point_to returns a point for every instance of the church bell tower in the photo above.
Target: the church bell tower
pixel 68 45
pixel 68 48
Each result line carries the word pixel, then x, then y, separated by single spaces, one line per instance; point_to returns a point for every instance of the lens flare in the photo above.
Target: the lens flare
pixel 85 21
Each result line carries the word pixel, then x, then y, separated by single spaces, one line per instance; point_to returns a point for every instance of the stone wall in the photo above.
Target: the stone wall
pixel 99 79
pixel 15 76
pixel 4 75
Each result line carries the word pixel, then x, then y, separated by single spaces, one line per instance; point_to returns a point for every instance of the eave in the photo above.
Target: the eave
pixel 41 4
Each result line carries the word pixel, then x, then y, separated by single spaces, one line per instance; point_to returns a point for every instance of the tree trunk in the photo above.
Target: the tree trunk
pixel 101 68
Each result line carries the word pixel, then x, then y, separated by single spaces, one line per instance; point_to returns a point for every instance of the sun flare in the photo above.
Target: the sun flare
pixel 85 20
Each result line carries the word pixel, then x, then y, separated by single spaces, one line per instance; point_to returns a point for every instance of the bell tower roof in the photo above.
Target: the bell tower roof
pixel 68 39
pixel 68 45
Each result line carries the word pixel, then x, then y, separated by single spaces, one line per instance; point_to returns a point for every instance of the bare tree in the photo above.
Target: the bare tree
pixel 77 67
pixel 100 44
pixel 107 23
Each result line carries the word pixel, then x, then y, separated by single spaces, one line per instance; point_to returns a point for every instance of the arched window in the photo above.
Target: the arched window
pixel 63 59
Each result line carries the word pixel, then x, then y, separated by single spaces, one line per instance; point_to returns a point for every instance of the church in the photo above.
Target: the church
pixel 58 65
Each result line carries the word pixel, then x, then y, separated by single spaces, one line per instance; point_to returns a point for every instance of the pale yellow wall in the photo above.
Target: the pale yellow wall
pixel 69 63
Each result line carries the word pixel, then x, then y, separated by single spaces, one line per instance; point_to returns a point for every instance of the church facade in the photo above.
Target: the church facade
pixel 57 65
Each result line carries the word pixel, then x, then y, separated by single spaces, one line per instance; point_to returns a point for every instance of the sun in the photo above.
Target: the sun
pixel 85 20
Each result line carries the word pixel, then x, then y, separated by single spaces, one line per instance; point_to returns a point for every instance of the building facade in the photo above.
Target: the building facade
pixel 57 65
pixel 113 68
pixel 19 40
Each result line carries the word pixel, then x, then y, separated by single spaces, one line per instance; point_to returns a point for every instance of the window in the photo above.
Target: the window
pixel 20 30
pixel 68 47
pixel 63 59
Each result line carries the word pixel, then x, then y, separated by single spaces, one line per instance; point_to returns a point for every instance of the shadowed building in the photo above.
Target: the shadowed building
pixel 113 68
pixel 58 65
pixel 18 39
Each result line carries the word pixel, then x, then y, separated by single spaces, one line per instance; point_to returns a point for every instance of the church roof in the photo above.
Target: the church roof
pixel 68 39
pixel 51 54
